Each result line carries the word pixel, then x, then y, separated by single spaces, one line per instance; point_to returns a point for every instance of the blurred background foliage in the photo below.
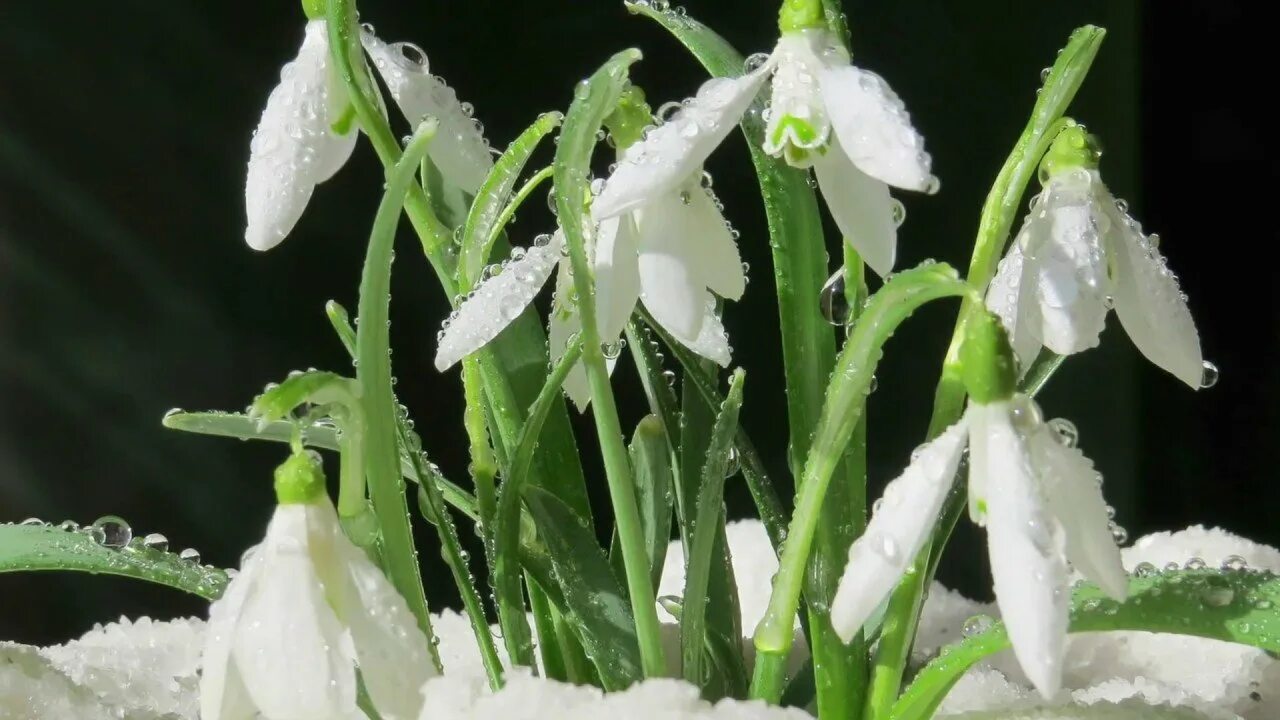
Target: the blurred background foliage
pixel 126 288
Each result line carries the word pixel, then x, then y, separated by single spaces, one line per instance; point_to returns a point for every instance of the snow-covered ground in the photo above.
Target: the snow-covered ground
pixel 148 670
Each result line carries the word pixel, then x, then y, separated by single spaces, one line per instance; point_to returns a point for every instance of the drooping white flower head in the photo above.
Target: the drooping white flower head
pixel 308 130
pixel 843 121
pixel 671 254
pixel 1077 255
pixel 306 609
pixel 1038 497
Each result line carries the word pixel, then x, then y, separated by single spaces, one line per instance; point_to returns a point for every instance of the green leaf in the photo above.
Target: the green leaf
pixel 651 462
pixel 763 492
pixel 594 602
pixel 506 528
pixel 43 547
pixel 243 427
pixel 481 228
pixel 705 528
pixel 1235 606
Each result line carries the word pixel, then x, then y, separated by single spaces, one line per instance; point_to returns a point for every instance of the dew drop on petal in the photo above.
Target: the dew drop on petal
pixel 1065 432
pixel 1209 378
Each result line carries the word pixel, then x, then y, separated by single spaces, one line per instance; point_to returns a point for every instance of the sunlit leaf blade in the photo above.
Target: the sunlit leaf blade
pixel 1235 606
pixel 594 602
pixel 480 230
pixel 706 527
pixel 43 547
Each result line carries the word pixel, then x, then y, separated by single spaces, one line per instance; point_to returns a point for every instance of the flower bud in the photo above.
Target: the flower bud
pixel 990 373
pixel 299 479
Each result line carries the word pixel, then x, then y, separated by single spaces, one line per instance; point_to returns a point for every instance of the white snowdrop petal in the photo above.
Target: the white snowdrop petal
pixel 797 120
pixel 1072 488
pixel 670 285
pixel 459 149
pixel 291 650
pixel 899 528
pixel 874 128
pixel 862 208
pixel 1150 304
pixel 497 302
pixel 390 648
pixel 673 151
pixel 1011 295
pixel 223 695
pixel 617 273
pixel 712 342
pixel 710 247
pixel 563 325
pixel 294 146
pixel 1071 268
pixel 1026 547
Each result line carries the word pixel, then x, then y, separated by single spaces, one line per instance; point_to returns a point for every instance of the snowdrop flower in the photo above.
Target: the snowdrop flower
pixel 1038 497
pixel 843 121
pixel 308 131
pixel 1077 255
pixel 671 253
pixel 308 607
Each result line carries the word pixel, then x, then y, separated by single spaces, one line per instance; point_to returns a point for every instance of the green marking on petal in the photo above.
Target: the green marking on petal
pixel 346 121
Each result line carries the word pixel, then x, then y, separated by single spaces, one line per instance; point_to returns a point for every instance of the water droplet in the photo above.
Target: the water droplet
pixel 115 532
pixel 1144 569
pixel 833 301
pixel 1065 432
pixel 754 61
pixel 33 522
pixel 1209 377
pixel 1194 563
pixel 190 555
pixel 1044 74
pixel 156 541
pixel 732 464
pixel 613 350
pixel 1217 592
pixel 977 624
pixel 1234 563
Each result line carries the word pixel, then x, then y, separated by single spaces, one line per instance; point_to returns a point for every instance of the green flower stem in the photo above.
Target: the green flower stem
pixel 483 466
pixel 593 100
pixel 345 48
pixel 373 351
pixel 841 413
pixel 855 465
pixel 999 212
pixel 522 194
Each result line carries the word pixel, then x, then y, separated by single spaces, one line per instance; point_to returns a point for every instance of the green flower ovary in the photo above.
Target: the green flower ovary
pixel 299 479
pixel 1073 149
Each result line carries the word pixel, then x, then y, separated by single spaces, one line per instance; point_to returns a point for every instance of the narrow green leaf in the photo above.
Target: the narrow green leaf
pixel 43 547
pixel 508 594
pixel 763 492
pixel 595 603
pixel 708 523
pixel 481 227
pixel 651 462
pixel 658 384
pixel 243 427
pixel 1235 606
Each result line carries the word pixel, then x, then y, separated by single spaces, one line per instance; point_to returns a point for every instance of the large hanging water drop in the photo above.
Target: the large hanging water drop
pixel 833 301
pixel 1209 378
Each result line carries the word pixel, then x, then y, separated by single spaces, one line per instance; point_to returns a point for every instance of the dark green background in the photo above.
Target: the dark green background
pixel 126 289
